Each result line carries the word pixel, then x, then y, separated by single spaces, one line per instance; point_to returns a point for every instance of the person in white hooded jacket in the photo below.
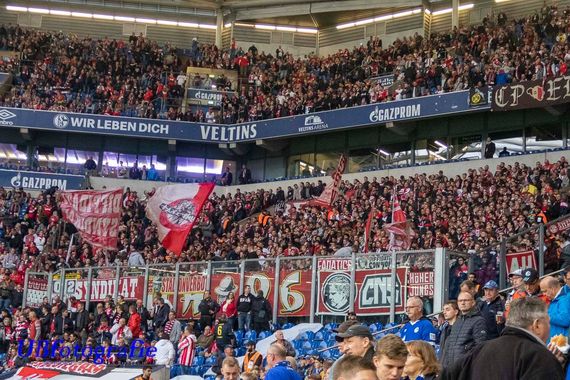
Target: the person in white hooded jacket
pixel 165 352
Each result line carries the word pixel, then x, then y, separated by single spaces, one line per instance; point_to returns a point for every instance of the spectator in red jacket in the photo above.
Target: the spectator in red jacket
pixel 229 308
pixel 134 321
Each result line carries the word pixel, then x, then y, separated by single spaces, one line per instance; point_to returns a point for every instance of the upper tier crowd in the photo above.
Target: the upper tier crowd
pixel 141 78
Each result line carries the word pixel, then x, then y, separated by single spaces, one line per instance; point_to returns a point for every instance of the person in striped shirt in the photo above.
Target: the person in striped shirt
pixel 186 349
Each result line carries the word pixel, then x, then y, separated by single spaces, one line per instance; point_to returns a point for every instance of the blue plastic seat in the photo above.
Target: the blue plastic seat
pixel 250 335
pixel 211 361
pixel 331 326
pixel 264 334
pixel 306 345
pixel 287 326
pixel 198 361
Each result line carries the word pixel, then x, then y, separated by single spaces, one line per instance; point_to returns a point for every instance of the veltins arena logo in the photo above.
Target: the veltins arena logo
pixel 177 214
pixel 60 121
pixel 336 292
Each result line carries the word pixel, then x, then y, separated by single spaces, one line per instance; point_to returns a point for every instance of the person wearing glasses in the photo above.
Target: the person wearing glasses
pixel 469 330
pixel 418 327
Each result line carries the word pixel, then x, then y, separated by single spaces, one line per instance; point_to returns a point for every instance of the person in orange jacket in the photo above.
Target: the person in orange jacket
pixel 134 321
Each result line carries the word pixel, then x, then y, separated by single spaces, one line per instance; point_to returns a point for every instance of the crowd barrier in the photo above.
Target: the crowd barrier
pixel 300 289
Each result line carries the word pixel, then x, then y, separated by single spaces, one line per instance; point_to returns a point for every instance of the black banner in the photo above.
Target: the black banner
pixel 531 94
pixel 478 96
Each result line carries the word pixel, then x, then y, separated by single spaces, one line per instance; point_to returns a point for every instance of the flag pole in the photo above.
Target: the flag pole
pixel 393 265
pixel 69 249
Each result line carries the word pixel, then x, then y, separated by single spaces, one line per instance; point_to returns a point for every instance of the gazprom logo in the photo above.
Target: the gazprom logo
pixel 5 116
pixel 60 121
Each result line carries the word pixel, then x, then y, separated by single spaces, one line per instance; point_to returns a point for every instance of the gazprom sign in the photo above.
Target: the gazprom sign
pixel 39 181
pixel 298 125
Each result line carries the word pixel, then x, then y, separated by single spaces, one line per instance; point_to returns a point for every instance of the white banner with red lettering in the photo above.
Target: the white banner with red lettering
pixel 521 260
pixel 95 214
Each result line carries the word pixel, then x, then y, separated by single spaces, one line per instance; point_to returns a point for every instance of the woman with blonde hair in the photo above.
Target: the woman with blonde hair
pixel 422 363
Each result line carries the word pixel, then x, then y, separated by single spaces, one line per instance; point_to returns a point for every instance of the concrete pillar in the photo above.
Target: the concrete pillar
pixel 455 14
pixel 219 26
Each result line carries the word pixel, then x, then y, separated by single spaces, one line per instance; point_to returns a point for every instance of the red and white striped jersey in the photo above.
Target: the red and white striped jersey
pixel 186 348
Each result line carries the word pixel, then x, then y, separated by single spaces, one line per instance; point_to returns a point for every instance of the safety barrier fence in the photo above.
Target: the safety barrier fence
pixel 298 288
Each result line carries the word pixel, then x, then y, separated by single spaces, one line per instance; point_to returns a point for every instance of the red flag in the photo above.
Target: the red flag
pixel 175 209
pixel 329 195
pixel 95 214
pixel 401 232
pixel 368 228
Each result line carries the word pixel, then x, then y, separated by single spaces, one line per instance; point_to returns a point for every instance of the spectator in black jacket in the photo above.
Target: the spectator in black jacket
pixel 244 309
pixel 161 314
pixel 260 313
pixel 145 315
pixel 492 309
pixel 520 351
pixel 208 309
pixel 469 330
pixel 55 326
pixel 224 332
pixel 17 296
pixel 81 321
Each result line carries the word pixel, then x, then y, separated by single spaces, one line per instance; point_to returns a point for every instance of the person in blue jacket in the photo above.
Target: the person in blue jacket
pixel 559 309
pixel 418 326
pixel 280 369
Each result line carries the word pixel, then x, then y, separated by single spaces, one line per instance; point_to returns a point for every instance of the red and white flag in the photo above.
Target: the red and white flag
pixel 329 195
pixel 175 209
pixel 400 230
pixel 95 214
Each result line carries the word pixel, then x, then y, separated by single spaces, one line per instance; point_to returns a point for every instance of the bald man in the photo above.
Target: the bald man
pixel 559 309
pixel 278 366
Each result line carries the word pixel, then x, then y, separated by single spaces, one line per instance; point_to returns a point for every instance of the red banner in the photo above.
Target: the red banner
pixel 95 214
pixel 373 291
pixel 521 260
pixel 420 284
pixel 559 227
pixel 129 287
pixel 223 284
pixel 191 288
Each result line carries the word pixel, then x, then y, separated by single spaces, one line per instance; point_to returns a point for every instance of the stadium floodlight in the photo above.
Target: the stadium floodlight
pixel 286 28
pixel 347 25
pixel 145 20
pixel 364 22
pixel 228 25
pixel 440 144
pixel 188 24
pixel 207 26
pixel 427 11
pixel 264 26
pixel 59 13
pixel 307 30
pixel 38 10
pixel 383 18
pixel 82 15
pixel 242 24
pixel 402 14
pixel 16 8
pixel 383 152
pixel 465 7
pixel 102 17
pixel 166 22
pixel 416 11
pixel 123 18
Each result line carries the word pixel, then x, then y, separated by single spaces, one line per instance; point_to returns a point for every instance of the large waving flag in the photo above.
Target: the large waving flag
pixel 95 214
pixel 400 230
pixel 175 209
pixel 330 193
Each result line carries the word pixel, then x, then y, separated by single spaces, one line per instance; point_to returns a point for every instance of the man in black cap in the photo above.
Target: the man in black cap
pixel 358 340
pixel 531 281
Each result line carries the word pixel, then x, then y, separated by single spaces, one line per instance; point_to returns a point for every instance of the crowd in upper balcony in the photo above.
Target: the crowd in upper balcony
pixel 141 78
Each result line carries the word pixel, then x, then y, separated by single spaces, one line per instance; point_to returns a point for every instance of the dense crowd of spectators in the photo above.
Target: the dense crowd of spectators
pixel 140 78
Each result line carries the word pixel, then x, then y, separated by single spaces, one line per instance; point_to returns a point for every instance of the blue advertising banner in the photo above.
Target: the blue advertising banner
pixel 371 114
pixel 39 181
pixel 209 96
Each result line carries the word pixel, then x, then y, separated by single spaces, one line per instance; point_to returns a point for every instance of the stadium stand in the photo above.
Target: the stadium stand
pixel 472 212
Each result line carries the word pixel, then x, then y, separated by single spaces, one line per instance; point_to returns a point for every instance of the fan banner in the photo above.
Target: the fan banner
pixel 521 260
pixel 372 292
pixel 95 214
pixel 175 209
pixel 531 94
